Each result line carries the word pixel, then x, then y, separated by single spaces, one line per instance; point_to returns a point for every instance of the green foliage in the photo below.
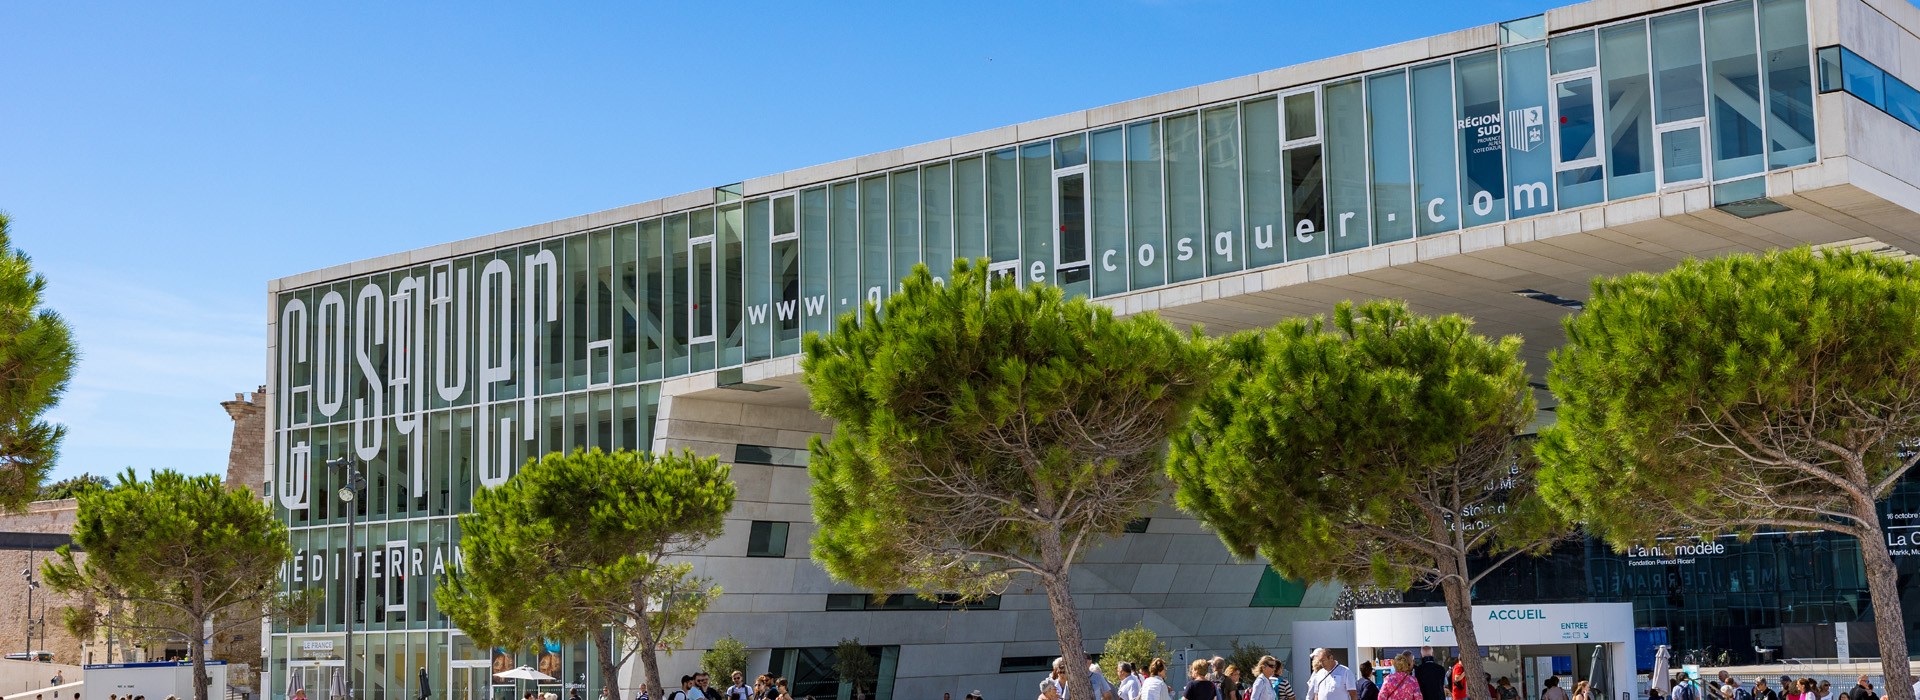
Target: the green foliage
pixel 1735 394
pixel 37 356
pixel 1245 657
pixel 167 555
pixel 726 656
pixel 71 487
pixel 1344 453
pixel 575 542
pixel 986 431
pixel 1136 645
pixel 969 424
pixel 855 665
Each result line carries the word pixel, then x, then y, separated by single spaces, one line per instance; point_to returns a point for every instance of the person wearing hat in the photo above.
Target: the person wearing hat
pixel 975 695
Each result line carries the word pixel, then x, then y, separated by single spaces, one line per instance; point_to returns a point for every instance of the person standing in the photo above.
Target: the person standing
pixel 1331 679
pixel 1582 691
pixel 739 690
pixel 1401 684
pixel 1862 690
pixel 1154 686
pixel 1553 691
pixel 1762 692
pixel 1684 688
pixel 1457 680
pixel 1230 683
pixel 1198 687
pixel 1282 688
pixel 1129 682
pixel 1368 691
pixel 1432 677
pixel 1503 689
pixel 1102 690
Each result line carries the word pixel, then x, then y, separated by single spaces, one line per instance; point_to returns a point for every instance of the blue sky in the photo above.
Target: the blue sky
pixel 162 161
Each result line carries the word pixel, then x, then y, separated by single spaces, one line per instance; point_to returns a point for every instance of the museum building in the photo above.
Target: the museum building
pixel 1492 171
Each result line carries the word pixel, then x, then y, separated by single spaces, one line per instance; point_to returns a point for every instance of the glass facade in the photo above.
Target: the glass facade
pixel 443 376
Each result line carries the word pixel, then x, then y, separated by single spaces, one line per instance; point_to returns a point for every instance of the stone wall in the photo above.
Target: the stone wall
pixel 46 517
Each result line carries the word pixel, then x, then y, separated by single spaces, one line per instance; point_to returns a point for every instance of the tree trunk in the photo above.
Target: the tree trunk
pixel 603 647
pixel 1460 611
pixel 1066 617
pixel 649 662
pixel 197 650
pixel 1888 621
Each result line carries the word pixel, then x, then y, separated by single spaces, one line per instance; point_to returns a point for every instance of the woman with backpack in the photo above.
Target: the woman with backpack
pixel 1401 685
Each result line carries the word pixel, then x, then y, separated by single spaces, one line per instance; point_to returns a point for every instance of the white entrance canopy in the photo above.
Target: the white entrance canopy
pixel 1610 624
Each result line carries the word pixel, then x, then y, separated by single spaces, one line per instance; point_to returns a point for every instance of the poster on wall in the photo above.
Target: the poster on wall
pixel 502 663
pixel 550 659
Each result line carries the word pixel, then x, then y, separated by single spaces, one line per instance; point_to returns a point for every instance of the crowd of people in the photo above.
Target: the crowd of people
pixel 1727 687
pixel 1215 679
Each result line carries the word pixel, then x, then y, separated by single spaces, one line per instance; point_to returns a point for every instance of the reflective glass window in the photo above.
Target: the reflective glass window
pixel 1529 147
pixel 1222 135
pixel 1678 92
pixel 1185 216
pixel 1003 205
pixel 1580 180
pixel 787 311
pixel 905 192
pixel 730 293
pixel 1036 213
pixel 1482 167
pixel 626 302
pixel 702 305
pixel 1346 165
pixel 1071 270
pixel 1302 114
pixel 969 208
pixel 816 279
pixel 600 334
pixel 1734 67
pixel 843 216
pixel 1069 151
pixel 876 273
pixel 1108 182
pixel 1433 148
pixel 759 280
pixel 1681 155
pixel 1390 159
pixel 936 218
pixel 1903 103
pixel 1266 225
pixel 654 315
pixel 1629 110
pixel 577 290
pixel 1306 202
pixel 1789 74
pixel 679 282
pixel 1146 229
pixel 1863 79
pixel 1571 52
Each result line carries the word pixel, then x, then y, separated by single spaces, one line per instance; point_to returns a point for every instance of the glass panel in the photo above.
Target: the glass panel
pixel 1903 103
pixel 626 302
pixel 1036 213
pixel 1573 102
pixel 759 282
pixel 816 281
pixel 1345 167
pixel 1145 228
pixel 1072 209
pixel 702 306
pixel 1678 93
pixel 576 287
pixel 1571 52
pixel 1069 151
pixel 843 216
pixel 1581 186
pixel 1629 112
pixel 1391 160
pixel 786 294
pixel 1306 203
pixel 906 225
pixel 701 311
pixel 600 353
pixel 1529 156
pixel 936 212
pixel 1482 170
pixel 1860 77
pixel 1224 253
pixel 1734 66
pixel 785 215
pixel 876 276
pixel 675 295
pixel 1260 132
pixel 1109 174
pixel 732 293
pixel 1185 224
pixel 1433 148
pixel 1783 45
pixel 1829 59
pixel 1003 206
pixel 1680 155
pixel 969 208
pixel 1301 114
pixel 654 314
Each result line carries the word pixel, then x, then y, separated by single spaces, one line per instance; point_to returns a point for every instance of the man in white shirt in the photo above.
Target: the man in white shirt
pixel 1129 682
pixel 1331 680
